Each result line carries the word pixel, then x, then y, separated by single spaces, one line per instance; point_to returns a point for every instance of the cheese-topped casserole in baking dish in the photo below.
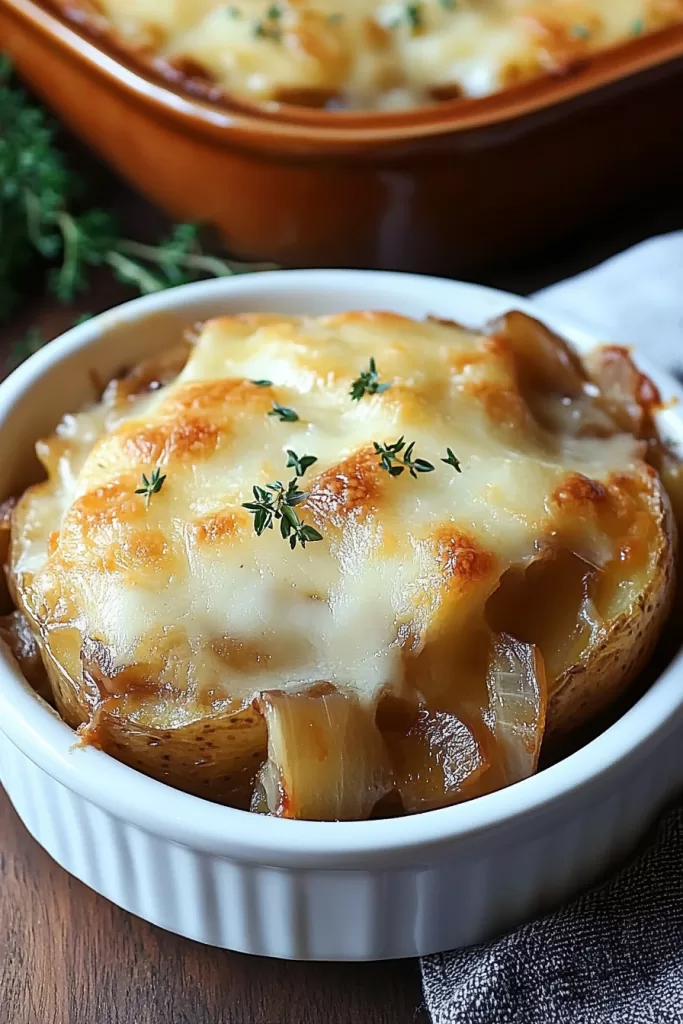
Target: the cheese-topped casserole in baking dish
pixel 364 54
pixel 353 565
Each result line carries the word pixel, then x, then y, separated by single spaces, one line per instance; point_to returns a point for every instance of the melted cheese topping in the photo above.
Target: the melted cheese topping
pixel 365 54
pixel 181 594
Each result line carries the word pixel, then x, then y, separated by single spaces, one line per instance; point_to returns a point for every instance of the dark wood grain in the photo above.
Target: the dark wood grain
pixel 69 957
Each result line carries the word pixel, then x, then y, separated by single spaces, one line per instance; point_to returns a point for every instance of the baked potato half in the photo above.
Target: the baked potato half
pixel 475 551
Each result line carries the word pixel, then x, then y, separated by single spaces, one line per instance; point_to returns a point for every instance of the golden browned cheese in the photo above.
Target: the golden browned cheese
pixel 169 608
pixel 370 54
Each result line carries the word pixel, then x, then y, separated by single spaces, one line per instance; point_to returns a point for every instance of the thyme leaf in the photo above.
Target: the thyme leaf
pixel 152 485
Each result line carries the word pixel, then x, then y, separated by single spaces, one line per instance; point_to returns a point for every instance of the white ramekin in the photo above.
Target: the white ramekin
pixel 310 890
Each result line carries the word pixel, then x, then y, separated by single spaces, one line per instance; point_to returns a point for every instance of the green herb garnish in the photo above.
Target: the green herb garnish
pixel 286 414
pixel 579 32
pixel 414 16
pixel 448 5
pixel 43 220
pixel 638 27
pixel 451 460
pixel 335 19
pixel 274 502
pixel 151 486
pixel 300 465
pixel 269 27
pixel 368 383
pixel 394 463
pixel 262 383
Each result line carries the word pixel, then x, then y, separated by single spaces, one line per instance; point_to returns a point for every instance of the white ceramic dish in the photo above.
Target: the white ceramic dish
pixel 309 890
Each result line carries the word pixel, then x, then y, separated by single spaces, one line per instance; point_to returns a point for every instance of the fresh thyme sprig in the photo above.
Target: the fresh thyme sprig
pixel 367 383
pixel 451 460
pixel 274 502
pixel 394 463
pixel 42 219
pixel 151 486
pixel 300 463
pixel 285 414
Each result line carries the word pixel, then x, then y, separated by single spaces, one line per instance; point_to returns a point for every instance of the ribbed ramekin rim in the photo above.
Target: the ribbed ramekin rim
pixel 155 807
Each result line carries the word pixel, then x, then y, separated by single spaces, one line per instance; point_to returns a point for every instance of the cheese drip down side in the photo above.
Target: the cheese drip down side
pixel 179 595
pixel 370 54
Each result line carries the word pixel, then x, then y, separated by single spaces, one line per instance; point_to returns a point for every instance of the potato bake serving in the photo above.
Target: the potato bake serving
pixel 367 54
pixel 349 566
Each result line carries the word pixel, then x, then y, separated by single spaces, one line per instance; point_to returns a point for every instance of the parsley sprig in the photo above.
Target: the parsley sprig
pixel 367 383
pixel 274 502
pixel 152 485
pixel 394 462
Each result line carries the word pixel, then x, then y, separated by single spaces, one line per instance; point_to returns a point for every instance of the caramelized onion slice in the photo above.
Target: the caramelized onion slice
pixel 438 761
pixel 326 757
pixel 632 399
pixel 553 379
pixel 148 375
pixel 518 698
pixel 16 633
pixel 629 396
pixel 6 510
pixel 545 361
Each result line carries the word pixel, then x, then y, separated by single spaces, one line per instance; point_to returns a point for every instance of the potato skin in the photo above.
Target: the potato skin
pixel 216 756
pixel 607 668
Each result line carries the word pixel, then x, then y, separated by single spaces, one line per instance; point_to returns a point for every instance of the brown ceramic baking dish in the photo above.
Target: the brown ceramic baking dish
pixel 445 188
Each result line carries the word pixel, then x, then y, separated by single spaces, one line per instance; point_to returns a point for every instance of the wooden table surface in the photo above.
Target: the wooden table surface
pixel 67 956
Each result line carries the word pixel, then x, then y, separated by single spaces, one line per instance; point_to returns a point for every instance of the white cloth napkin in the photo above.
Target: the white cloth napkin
pixel 589 963
pixel 635 298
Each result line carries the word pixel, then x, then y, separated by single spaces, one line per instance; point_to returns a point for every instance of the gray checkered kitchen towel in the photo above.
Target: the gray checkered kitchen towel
pixel 615 955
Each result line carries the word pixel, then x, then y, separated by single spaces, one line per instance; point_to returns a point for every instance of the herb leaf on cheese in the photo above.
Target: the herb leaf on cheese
pixel 273 502
pixel 395 463
pixel 367 383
